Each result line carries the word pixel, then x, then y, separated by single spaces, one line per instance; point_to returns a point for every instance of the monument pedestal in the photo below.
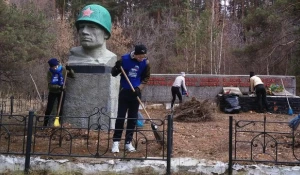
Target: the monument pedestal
pixel 92 88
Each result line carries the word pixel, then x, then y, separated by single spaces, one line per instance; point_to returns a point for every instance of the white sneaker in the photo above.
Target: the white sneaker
pixel 115 147
pixel 129 147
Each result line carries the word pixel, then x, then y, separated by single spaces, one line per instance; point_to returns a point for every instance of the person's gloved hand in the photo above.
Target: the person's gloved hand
pixel 137 92
pixel 118 65
pixel 187 94
pixel 68 68
pixel 62 88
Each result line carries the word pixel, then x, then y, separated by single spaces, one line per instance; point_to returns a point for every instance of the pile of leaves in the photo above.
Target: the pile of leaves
pixel 194 111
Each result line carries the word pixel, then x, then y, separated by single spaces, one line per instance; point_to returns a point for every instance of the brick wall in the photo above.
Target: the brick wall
pixel 204 86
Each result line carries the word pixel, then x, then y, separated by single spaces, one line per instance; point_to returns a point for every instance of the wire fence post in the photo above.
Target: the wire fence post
pixel 169 143
pixel 28 142
pixel 1 113
pixel 11 105
pixel 1 110
pixel 230 146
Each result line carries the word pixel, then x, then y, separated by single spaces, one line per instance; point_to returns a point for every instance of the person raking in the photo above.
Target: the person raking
pixel 137 68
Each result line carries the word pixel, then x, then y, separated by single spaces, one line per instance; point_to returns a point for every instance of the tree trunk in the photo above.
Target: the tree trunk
pixel 211 35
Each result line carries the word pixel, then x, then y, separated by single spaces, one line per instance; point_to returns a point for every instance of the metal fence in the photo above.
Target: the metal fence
pixel 268 142
pixel 25 135
pixel 16 104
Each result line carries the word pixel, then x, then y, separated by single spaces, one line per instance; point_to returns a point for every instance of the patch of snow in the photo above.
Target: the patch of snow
pixel 184 164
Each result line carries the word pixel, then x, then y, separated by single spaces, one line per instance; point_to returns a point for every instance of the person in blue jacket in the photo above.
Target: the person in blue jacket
pixel 136 66
pixel 55 79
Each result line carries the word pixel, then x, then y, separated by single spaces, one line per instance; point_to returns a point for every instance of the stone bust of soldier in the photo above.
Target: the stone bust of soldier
pixel 94 28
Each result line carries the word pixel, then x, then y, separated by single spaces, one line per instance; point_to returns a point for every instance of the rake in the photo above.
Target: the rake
pixel 56 121
pixel 290 111
pixel 158 135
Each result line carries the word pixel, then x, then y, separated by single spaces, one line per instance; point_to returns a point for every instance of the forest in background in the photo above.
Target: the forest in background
pixel 228 37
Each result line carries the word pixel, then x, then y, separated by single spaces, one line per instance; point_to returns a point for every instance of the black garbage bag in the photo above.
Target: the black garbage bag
pixel 232 104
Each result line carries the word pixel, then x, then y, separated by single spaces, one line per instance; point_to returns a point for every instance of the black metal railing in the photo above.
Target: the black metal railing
pixel 25 135
pixel 270 142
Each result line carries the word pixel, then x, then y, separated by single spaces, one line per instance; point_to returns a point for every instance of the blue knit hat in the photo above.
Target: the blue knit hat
pixel 53 62
pixel 140 49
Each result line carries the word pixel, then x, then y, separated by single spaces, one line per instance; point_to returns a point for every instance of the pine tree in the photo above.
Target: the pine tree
pixel 24 37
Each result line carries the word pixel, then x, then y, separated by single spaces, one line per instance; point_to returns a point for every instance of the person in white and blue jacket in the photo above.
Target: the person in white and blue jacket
pixel 55 79
pixel 136 66
pixel 178 83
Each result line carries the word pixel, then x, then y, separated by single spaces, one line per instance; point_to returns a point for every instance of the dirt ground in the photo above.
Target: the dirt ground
pixel 208 139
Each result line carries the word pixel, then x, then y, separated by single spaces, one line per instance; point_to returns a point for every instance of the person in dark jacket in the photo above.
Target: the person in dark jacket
pixel 137 68
pixel 55 79
pixel 257 85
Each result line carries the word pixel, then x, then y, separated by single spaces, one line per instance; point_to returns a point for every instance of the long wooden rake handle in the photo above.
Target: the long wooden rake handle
pixel 62 93
pixel 285 94
pixel 56 121
pixel 36 88
pixel 138 98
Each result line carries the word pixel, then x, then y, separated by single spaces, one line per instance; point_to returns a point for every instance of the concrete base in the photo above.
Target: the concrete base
pixel 180 165
pixel 93 93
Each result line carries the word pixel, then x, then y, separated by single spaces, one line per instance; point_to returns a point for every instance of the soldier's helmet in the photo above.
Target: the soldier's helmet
pixel 97 14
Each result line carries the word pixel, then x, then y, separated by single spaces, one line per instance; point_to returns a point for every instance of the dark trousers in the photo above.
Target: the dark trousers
pixel 52 97
pixel 176 92
pixel 261 98
pixel 128 103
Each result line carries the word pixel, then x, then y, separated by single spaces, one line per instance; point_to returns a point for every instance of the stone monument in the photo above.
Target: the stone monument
pixel 93 87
